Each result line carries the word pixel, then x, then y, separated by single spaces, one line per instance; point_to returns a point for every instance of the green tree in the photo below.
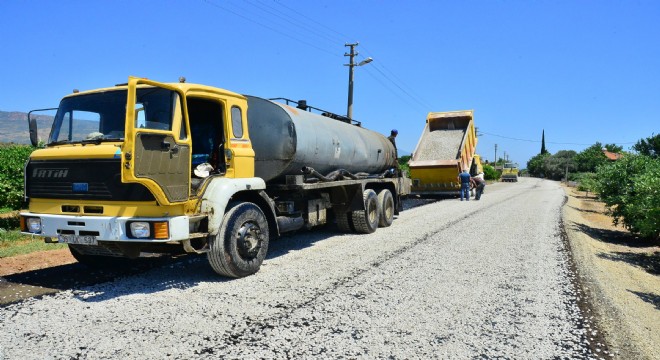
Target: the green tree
pixel 613 148
pixel 630 187
pixel 555 166
pixel 535 165
pixel 649 146
pixel 543 149
pixel 490 173
pixel 589 159
pixel 11 175
pixel 403 163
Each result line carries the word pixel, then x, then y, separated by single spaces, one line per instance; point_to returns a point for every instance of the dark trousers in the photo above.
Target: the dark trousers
pixel 480 190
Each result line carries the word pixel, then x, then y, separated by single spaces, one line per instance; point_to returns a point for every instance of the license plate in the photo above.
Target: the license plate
pixel 77 239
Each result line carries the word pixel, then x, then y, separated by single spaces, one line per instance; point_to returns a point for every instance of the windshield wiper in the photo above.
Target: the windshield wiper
pixel 96 141
pixel 59 142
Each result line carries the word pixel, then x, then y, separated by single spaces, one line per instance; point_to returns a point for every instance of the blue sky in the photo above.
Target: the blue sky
pixel 583 71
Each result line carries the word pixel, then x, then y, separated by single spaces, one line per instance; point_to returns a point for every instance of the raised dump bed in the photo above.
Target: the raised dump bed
pixel 447 145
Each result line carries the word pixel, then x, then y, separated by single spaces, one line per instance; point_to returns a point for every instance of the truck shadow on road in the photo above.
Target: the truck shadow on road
pixel 300 240
pixel 179 271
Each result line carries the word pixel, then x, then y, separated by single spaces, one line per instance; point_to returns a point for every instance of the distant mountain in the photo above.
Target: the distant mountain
pixel 14 127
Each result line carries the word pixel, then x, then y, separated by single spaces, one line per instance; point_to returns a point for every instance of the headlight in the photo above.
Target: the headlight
pixel 33 225
pixel 140 229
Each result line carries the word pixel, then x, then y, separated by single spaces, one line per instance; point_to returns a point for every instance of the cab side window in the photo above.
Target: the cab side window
pixel 236 121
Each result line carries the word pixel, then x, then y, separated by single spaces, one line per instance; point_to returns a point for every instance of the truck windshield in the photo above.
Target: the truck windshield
pixel 101 116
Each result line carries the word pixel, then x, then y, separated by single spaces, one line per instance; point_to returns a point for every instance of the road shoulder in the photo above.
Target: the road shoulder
pixel 619 275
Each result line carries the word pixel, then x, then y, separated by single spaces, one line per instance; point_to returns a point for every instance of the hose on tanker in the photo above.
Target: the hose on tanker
pixel 340 174
pixel 391 172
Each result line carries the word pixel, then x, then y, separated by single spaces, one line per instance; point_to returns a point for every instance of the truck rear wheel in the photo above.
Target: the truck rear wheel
pixel 242 242
pixel 386 203
pixel 366 221
pixel 344 221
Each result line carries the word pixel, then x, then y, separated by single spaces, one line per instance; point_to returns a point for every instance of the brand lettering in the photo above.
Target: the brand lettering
pixel 50 173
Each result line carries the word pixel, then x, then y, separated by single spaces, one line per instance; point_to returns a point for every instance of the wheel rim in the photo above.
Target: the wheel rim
pixel 249 239
pixel 389 209
pixel 373 213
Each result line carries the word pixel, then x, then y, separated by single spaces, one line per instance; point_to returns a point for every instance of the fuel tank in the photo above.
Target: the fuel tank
pixel 286 139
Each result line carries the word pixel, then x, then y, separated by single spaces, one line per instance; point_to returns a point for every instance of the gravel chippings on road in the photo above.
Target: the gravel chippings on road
pixel 451 279
pixel 440 145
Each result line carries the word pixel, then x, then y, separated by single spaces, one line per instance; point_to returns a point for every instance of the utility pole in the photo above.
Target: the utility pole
pixel 495 162
pixel 351 64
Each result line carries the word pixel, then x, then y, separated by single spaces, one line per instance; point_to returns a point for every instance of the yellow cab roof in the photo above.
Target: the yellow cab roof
pixel 186 88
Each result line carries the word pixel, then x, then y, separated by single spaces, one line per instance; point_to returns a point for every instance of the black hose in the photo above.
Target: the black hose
pixel 340 174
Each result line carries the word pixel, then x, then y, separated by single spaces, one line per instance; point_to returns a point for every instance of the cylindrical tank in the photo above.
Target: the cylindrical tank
pixel 285 139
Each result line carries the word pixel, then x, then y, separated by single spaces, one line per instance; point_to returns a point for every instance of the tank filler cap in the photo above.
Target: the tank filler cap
pixel 75 91
pixel 182 79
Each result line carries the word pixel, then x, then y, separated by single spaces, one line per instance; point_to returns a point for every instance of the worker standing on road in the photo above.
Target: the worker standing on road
pixel 464 179
pixel 479 184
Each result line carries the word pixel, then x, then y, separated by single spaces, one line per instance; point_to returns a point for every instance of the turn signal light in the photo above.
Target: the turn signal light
pixel 161 230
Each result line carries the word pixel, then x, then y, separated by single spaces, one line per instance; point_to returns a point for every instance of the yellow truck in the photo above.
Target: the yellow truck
pixel 446 147
pixel 510 172
pixel 149 167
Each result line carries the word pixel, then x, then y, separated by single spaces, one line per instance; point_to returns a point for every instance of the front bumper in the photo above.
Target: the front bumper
pixel 106 228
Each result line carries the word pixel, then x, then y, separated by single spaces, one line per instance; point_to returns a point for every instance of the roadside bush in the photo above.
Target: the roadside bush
pixel 490 173
pixel 630 187
pixel 11 174
pixel 535 165
pixel 586 180
pixel 403 164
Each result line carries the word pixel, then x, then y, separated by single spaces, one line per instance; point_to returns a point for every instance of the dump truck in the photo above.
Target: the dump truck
pixel 446 147
pixel 149 167
pixel 509 172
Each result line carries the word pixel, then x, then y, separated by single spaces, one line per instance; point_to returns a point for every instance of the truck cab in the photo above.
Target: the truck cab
pixel 117 174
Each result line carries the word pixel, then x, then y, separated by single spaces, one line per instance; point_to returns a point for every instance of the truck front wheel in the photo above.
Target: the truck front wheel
pixel 242 242
pixel 366 221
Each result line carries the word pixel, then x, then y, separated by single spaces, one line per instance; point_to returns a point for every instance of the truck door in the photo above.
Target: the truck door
pixel 156 150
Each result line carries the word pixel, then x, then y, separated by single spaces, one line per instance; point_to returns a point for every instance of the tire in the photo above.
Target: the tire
pixel 386 205
pixel 344 221
pixel 242 242
pixel 366 221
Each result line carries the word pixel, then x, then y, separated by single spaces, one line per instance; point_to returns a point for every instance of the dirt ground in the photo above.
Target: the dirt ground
pixel 35 261
pixel 619 274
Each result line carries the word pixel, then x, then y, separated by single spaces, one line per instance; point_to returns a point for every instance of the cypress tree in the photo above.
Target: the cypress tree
pixel 543 150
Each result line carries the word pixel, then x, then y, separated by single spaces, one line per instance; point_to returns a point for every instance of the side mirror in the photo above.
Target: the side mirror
pixel 32 123
pixel 34 135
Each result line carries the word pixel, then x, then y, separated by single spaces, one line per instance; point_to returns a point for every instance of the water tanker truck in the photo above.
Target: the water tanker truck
pixel 148 167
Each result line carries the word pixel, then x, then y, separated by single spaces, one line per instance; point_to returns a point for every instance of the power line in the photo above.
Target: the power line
pixel 268 27
pixel 410 92
pixel 326 34
pixel 549 142
pixel 290 19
